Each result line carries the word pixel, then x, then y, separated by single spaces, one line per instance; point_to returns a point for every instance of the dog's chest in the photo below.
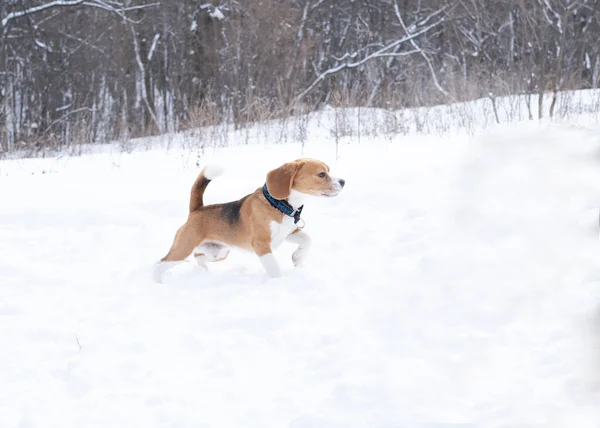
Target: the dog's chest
pixel 280 231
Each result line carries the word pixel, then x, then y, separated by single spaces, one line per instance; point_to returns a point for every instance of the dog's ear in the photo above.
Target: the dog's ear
pixel 279 180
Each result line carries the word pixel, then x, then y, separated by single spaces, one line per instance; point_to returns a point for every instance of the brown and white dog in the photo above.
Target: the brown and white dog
pixel 259 222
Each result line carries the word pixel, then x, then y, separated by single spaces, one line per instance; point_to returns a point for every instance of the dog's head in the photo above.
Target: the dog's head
pixel 308 176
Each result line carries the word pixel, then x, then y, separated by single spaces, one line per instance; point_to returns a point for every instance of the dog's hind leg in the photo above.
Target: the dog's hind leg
pixel 211 251
pixel 183 245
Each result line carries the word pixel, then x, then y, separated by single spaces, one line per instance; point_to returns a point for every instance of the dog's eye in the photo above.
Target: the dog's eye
pixel 322 175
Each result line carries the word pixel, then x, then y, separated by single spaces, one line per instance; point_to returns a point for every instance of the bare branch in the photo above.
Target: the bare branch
pixel 142 69
pixel 119 9
pixel 64 116
pixel 32 10
pixel 397 54
pixel 82 42
pixel 377 54
pixel 153 47
pixel 418 48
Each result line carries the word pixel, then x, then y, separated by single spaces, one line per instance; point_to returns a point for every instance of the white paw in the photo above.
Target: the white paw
pixel 299 257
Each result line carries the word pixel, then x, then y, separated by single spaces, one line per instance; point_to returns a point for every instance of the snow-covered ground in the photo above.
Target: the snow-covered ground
pixel 455 280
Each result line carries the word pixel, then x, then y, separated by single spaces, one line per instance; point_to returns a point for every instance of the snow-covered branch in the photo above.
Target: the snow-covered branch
pixel 142 79
pixel 32 10
pixel 383 52
pixel 117 8
pixel 418 48
pixel 153 47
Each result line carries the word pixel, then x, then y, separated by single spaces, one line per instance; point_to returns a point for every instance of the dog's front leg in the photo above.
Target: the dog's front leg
pixel 303 240
pixel 267 259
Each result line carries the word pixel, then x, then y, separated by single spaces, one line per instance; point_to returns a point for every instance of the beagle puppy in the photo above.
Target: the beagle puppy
pixel 258 222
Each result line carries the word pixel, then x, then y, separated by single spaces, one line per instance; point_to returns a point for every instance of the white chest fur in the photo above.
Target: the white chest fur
pixel 280 231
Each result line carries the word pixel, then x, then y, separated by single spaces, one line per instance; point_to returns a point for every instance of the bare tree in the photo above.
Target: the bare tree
pixel 98 70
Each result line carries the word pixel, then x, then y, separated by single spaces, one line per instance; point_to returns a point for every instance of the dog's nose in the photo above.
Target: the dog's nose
pixel 342 182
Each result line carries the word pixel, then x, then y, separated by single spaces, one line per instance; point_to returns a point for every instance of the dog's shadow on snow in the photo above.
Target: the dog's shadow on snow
pixel 191 275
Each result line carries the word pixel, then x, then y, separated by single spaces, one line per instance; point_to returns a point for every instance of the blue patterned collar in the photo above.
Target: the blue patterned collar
pixel 283 206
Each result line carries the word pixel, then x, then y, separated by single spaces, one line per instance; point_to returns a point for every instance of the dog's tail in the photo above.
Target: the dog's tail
pixel 209 173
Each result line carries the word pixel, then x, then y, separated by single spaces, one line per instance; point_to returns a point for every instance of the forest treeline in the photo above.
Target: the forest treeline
pixel 100 70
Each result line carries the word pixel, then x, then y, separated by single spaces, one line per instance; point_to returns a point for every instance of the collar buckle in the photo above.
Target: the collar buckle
pixel 284 206
pixel 296 214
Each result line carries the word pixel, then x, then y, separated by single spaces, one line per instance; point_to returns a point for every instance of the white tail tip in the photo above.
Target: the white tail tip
pixel 213 171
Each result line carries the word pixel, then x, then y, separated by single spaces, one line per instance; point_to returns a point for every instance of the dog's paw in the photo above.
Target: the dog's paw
pixel 299 257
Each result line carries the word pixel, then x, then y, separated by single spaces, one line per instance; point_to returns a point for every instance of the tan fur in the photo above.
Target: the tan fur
pixel 197 192
pixel 251 229
pixel 279 181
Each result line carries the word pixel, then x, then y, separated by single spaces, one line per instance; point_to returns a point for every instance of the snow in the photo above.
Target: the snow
pixel 455 279
pixel 217 14
pixel 153 46
pixel 43 46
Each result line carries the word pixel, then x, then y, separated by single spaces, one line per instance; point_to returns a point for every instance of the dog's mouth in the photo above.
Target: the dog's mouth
pixel 330 194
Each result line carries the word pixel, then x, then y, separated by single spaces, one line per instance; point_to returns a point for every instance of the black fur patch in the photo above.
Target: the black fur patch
pixel 231 211
pixel 201 184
